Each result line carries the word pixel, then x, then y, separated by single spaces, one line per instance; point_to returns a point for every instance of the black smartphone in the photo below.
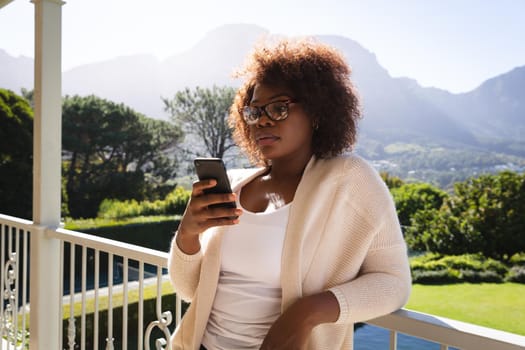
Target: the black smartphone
pixel 213 168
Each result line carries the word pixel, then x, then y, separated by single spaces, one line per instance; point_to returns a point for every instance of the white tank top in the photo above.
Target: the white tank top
pixel 248 298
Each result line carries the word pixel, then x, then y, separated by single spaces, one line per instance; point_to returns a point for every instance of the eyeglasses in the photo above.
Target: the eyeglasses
pixel 276 111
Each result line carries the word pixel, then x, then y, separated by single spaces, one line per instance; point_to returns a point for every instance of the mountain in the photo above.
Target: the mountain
pixel 494 106
pixel 141 81
pixel 15 72
pixel 396 110
pixel 494 112
pixel 132 80
pixel 391 109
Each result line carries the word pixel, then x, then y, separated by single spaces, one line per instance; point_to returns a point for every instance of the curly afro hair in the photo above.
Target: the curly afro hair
pixel 319 77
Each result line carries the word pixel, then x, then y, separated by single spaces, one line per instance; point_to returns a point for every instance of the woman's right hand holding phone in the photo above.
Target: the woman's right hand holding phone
pixel 201 214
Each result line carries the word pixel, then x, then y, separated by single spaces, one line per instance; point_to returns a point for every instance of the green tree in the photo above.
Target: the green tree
pixel 410 198
pixel 391 181
pixel 202 115
pixel 485 215
pixel 440 231
pixel 494 206
pixel 114 152
pixel 16 155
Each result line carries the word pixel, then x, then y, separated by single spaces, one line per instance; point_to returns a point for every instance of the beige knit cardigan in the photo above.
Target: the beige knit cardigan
pixel 343 235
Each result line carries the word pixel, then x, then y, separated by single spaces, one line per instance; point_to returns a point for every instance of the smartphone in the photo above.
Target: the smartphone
pixel 213 168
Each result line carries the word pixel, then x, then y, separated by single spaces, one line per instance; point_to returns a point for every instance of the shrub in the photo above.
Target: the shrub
pixel 516 274
pixel 495 265
pixel 174 203
pixel 436 277
pixel 463 262
pixel 475 268
pixel 434 265
pixel 426 257
pixel 115 209
pixel 518 259
pixel 177 200
pixel 480 276
pixel 475 262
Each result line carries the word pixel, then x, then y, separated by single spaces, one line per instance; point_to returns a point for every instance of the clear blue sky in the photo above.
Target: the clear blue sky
pixel 450 44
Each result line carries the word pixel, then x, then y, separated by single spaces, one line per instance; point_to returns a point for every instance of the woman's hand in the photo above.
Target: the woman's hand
pixel 292 329
pixel 198 215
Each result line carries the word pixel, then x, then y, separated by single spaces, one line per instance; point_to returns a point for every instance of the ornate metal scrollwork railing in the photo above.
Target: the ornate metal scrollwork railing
pixel 9 316
pixel 14 271
pixel 164 319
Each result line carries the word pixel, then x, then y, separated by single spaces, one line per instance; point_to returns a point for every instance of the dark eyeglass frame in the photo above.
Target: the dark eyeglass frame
pixel 247 110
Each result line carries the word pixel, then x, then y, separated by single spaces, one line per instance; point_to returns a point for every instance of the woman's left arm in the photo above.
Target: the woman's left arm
pixel 382 286
pixel 293 327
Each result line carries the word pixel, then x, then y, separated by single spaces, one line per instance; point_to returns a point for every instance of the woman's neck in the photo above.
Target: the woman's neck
pixel 287 169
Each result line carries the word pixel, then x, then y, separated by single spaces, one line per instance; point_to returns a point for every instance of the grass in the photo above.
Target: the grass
pixel 83 224
pixel 498 306
pixel 150 292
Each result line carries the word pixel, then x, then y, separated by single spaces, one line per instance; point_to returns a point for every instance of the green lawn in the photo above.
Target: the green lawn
pixel 498 306
pixel 83 224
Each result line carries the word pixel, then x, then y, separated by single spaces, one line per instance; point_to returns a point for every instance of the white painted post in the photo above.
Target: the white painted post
pixel 45 318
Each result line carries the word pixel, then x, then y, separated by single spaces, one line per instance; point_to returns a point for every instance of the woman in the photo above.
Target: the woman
pixel 317 244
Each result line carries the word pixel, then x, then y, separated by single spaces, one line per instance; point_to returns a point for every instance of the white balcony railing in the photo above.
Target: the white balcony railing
pixel 108 287
pixel 92 300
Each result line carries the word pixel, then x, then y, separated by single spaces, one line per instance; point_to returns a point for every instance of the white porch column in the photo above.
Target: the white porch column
pixel 45 316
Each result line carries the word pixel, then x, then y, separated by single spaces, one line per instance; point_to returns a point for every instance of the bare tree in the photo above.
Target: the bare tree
pixel 202 115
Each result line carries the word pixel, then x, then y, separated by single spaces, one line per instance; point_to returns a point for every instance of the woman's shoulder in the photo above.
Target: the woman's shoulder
pixel 355 174
pixel 347 164
pixel 363 186
pixel 360 166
